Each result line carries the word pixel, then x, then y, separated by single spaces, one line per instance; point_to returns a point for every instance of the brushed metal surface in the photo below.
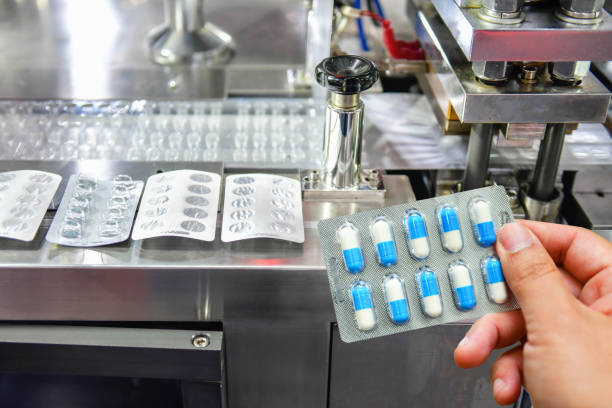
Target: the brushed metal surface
pixel 97 50
pixel 541 37
pixel 513 102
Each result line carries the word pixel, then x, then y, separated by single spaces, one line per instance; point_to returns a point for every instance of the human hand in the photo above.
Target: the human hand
pixel 562 279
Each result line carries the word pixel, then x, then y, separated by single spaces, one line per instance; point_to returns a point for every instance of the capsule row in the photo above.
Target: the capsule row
pixel 428 289
pixel 417 237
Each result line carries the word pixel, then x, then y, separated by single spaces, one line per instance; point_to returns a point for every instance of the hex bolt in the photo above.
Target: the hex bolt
pixel 503 6
pixel 200 341
pixel 491 72
pixel 569 72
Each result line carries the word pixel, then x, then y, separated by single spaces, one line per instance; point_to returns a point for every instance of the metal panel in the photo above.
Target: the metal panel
pixel 110 351
pixel 541 37
pixel 413 369
pixel 510 103
pixel 81 50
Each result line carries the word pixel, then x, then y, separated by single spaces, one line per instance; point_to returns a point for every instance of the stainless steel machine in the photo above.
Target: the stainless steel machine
pixel 145 86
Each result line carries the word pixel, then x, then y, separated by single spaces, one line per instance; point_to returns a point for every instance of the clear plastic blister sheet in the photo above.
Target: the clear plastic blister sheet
pixel 95 212
pixel 341 281
pixel 262 206
pixel 181 203
pixel 25 196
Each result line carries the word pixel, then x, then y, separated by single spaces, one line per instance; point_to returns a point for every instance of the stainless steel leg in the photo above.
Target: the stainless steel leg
pixel 479 150
pixel 547 165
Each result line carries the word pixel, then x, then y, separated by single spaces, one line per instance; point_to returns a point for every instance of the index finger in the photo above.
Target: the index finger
pixel 581 252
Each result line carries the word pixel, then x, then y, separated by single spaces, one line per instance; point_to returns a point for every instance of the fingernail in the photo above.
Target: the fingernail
pixel 463 342
pixel 514 237
pixel 498 385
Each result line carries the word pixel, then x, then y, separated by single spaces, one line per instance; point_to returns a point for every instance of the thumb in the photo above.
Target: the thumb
pixel 531 274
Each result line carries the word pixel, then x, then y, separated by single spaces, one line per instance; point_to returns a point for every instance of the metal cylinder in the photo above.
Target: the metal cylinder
pixel 539 210
pixel 543 184
pixel 185 15
pixel 479 150
pixel 342 146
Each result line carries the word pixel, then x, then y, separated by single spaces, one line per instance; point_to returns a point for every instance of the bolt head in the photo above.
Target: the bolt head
pixel 503 6
pixel 570 70
pixel 200 341
pixel 491 70
pixel 582 6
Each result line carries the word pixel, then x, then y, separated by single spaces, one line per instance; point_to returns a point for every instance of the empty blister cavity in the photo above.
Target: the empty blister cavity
pixel 382 236
pixel 429 292
pixel 95 212
pixel 494 280
pixel 449 228
pixel 272 204
pixel 350 243
pixel 482 221
pixel 417 238
pixel 180 203
pixel 363 306
pixel 461 285
pixel 396 299
pixel 241 227
pixel 25 196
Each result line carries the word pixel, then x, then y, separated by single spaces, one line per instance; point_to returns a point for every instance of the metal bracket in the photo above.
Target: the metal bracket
pixel 370 187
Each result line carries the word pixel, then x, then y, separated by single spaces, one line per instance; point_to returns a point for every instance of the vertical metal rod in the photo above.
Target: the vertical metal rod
pixel 543 184
pixel 479 150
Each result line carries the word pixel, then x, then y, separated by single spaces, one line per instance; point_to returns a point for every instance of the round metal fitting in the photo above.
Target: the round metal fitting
pixel 543 210
pixel 501 18
pixel 346 74
pixel 582 18
pixel 200 341
pixel 529 75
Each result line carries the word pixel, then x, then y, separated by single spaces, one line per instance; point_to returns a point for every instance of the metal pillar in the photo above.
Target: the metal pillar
pixel 543 184
pixel 479 150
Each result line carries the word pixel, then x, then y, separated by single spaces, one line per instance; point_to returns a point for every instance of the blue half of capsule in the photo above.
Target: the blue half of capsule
pixel 494 271
pixel 448 219
pixel 416 226
pixel 361 297
pixel 429 284
pixel 485 233
pixel 353 259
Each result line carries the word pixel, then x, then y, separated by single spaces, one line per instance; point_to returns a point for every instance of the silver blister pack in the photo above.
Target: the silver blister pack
pixel 95 212
pixel 25 196
pixel 402 268
pixel 180 203
pixel 262 206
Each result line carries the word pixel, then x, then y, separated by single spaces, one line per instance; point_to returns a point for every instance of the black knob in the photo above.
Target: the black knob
pixel 346 74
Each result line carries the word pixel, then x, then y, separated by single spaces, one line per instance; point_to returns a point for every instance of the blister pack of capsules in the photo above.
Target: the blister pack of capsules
pixel 262 206
pixel 180 203
pixel 95 212
pixel 418 264
pixel 25 196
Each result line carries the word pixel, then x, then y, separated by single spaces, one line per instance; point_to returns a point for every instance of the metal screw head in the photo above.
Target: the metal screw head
pixel 491 71
pixel 570 71
pixel 200 341
pixel 582 6
pixel 503 6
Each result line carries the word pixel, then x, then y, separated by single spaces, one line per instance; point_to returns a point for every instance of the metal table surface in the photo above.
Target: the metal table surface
pixel 170 279
pixel 98 50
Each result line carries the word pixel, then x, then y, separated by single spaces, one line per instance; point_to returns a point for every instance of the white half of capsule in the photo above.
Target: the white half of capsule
pixel 349 238
pixel 498 292
pixel 453 240
pixel 365 319
pixel 420 247
pixel 482 212
pixel 394 290
pixel 461 276
pixel 381 232
pixel 432 306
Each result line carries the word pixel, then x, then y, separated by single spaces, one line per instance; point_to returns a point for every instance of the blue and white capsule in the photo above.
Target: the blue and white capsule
pixel 482 221
pixel 416 234
pixel 450 229
pixel 397 301
pixel 363 305
pixel 382 236
pixel 462 286
pixel 493 277
pixel 348 237
pixel 429 292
